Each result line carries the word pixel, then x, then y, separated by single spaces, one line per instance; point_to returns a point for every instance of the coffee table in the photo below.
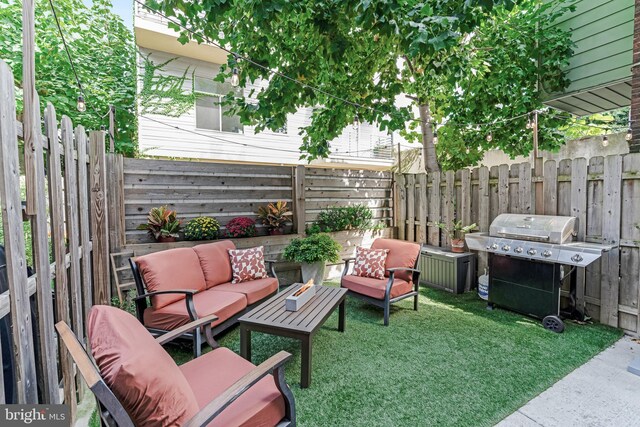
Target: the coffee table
pixel 271 317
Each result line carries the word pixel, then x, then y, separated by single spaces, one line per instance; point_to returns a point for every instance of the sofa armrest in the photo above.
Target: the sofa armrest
pixel 220 403
pixel 171 335
pixel 188 292
pixel 347 261
pixel 394 269
pixel 271 267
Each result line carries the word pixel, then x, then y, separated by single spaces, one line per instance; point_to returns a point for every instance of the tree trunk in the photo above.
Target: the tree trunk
pixel 428 147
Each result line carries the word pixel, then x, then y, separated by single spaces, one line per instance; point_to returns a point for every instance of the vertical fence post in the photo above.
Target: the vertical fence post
pixel 422 208
pixel 579 210
pixel 83 205
pixel 30 114
pixel 115 201
pixel 99 223
pixel 550 188
pixel 411 207
pixel 434 209
pixel 56 207
pixel 14 242
pixel 449 203
pixel 299 199
pixel 401 199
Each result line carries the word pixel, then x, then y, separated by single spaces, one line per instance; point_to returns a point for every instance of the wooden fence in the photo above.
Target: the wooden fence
pixel 603 193
pixel 65 202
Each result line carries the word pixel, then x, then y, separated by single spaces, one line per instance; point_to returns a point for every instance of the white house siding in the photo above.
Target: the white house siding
pixel 163 139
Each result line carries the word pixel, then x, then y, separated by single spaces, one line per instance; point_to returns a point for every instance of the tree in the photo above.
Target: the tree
pixel 371 53
pixel 103 51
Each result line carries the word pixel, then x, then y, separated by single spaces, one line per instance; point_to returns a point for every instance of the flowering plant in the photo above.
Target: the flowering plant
pixel 161 223
pixel 202 228
pixel 241 227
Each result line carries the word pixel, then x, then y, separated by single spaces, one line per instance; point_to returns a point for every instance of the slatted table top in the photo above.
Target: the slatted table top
pixel 310 317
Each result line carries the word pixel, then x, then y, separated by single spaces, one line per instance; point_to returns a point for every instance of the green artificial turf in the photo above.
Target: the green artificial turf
pixel 452 363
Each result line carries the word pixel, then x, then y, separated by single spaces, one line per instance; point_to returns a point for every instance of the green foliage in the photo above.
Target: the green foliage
pixel 355 217
pixel 316 248
pixel 162 222
pixel 455 230
pixel 202 228
pixel 274 215
pixel 127 305
pixel 103 51
pixel 469 62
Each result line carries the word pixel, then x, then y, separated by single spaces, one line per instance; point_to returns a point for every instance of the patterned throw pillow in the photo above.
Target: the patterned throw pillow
pixel 370 262
pixel 247 264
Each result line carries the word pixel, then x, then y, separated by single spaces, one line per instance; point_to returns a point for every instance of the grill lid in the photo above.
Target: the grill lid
pixel 537 228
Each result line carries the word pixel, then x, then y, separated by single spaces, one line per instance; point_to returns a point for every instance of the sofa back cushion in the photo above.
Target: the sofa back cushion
pixel 214 260
pixel 171 269
pixel 401 254
pixel 144 378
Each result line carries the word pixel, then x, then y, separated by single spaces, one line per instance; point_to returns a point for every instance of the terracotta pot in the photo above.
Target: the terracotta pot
pixel 276 232
pixel 457 245
pixel 166 239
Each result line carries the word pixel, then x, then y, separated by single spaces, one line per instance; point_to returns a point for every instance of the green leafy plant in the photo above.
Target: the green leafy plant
pixel 202 228
pixel 274 215
pixel 356 217
pixel 455 230
pixel 319 247
pixel 162 222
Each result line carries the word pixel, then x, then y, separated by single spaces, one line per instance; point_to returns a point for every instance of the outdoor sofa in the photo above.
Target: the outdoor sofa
pixel 185 284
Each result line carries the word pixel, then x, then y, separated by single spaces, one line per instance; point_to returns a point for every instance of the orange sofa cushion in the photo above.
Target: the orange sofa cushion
pixel 254 290
pixel 143 377
pixel 211 301
pixel 401 254
pixel 171 269
pixel 210 374
pixel 375 287
pixel 214 260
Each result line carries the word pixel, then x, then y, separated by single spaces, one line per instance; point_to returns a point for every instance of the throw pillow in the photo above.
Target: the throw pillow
pixel 370 262
pixel 247 264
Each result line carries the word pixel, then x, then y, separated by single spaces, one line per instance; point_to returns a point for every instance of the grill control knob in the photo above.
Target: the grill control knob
pixel 506 248
pixel 577 258
pixel 532 252
pixel 546 254
pixel 494 246
pixel 518 250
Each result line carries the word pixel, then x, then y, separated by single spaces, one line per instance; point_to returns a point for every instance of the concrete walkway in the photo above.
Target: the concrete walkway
pixel 599 393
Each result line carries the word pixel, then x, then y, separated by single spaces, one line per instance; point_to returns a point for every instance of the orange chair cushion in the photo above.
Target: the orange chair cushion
pixel 214 260
pixel 401 254
pixel 223 304
pixel 375 287
pixel 254 290
pixel 171 269
pixel 143 377
pixel 211 374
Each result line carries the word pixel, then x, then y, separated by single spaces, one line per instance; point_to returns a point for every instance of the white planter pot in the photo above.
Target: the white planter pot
pixel 313 271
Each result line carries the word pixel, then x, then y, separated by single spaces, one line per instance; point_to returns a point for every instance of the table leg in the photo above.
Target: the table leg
pixel 245 343
pixel 305 377
pixel 341 316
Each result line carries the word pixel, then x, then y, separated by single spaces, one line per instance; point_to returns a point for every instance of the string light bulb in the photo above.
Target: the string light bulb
pixel 468 151
pixel 435 138
pixel 235 77
pixel 356 122
pixel 629 135
pixel 605 141
pixel 490 137
pixel 529 124
pixel 81 106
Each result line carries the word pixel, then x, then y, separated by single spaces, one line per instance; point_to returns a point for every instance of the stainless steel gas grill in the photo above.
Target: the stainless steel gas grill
pixel 530 257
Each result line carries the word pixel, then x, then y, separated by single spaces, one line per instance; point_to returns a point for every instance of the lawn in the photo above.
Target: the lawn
pixel 452 363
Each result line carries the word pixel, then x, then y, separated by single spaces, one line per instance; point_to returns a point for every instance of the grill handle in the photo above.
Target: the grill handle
pixel 520 236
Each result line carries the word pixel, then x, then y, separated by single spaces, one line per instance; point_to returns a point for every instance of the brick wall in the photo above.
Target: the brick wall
pixel 634 145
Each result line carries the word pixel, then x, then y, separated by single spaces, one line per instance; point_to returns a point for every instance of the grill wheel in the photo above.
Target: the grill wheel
pixel 553 323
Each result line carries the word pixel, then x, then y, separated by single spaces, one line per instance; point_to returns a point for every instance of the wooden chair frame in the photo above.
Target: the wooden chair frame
pixel 195 336
pixel 385 303
pixel 113 414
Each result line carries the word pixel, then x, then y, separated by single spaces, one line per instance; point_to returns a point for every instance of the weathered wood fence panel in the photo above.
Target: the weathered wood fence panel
pixel 603 194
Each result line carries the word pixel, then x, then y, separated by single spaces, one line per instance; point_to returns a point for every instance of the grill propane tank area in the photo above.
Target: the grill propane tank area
pixel 530 258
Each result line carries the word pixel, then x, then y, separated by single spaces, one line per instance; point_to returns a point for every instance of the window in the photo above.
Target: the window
pixel 210 114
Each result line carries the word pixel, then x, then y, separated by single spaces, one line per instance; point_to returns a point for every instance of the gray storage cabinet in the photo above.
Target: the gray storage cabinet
pixel 443 269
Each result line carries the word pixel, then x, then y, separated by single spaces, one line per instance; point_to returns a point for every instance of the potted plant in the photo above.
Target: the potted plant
pixel 456 232
pixel 275 216
pixel 162 224
pixel 313 253
pixel 202 228
pixel 241 226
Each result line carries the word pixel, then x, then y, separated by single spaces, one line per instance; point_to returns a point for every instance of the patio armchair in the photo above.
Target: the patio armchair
pixel 401 277
pixel 136 383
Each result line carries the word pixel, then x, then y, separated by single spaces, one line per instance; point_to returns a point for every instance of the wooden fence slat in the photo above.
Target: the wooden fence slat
pixel 411 207
pixel 503 189
pixel 401 200
pixel 434 209
pixel 83 205
pixel 299 207
pixel 448 210
pixel 422 208
pixel 31 125
pixel 514 187
pixel 550 188
pixel 524 188
pixel 73 226
pixel 99 222
pixel 611 236
pixel 117 213
pixel 48 371
pixel 465 196
pixel 630 256
pixel 579 210
pixel 594 228
pixel 26 386
pixel 538 186
pixel 56 208
pixel 483 211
